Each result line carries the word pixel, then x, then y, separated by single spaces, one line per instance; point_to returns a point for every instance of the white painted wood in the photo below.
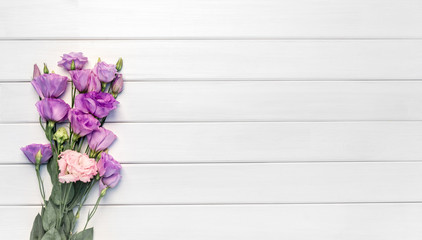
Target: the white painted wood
pixel 330 89
pixel 240 183
pixel 227 59
pixel 243 101
pixel 239 222
pixel 210 19
pixel 244 142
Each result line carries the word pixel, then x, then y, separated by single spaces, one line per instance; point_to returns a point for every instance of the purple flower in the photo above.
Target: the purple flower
pixel 117 85
pixel 108 166
pixel 82 123
pixel 100 139
pixel 85 80
pixel 52 109
pixel 77 57
pixel 109 182
pixel 98 104
pixel 109 170
pixel 105 72
pixel 49 85
pixel 32 150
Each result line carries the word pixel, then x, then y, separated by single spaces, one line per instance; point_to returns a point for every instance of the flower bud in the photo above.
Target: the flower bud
pixel 45 69
pixel 61 135
pixel 119 64
pixel 103 86
pixel 72 65
pixel 103 192
pixel 36 71
pixel 117 85
pixel 99 59
pixel 38 158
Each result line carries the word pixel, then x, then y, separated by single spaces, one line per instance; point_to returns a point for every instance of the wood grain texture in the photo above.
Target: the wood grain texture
pixel 241 183
pixel 227 59
pixel 244 142
pixel 239 222
pixel 240 119
pixel 243 101
pixel 210 19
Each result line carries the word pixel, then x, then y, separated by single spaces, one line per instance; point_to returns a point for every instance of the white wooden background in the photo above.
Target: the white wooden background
pixel 240 119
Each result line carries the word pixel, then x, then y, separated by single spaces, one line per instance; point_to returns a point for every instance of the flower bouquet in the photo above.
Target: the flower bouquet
pixel 77 151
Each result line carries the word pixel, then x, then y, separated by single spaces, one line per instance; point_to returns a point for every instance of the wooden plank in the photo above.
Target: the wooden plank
pixel 239 222
pixel 227 59
pixel 210 19
pixel 241 183
pixel 243 101
pixel 244 142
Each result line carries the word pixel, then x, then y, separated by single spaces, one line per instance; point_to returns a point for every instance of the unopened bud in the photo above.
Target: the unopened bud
pixel 99 59
pixel 103 86
pixel 103 192
pixel 36 71
pixel 61 135
pixel 45 69
pixel 119 64
pixel 72 65
pixel 117 85
pixel 38 158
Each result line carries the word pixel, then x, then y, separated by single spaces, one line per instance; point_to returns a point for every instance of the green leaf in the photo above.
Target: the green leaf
pixel 87 234
pixel 49 217
pixel 79 189
pixel 52 234
pixel 62 234
pixel 68 218
pixel 53 170
pixel 37 229
pixel 71 193
pixel 70 215
pixel 56 194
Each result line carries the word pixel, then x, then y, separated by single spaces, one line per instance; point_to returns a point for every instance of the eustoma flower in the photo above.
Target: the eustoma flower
pixel 105 72
pixel 32 150
pixel 49 85
pixel 77 153
pixel 100 139
pixel 51 109
pixel 82 123
pixel 98 104
pixel 75 166
pixel 109 171
pixel 85 80
pixel 77 57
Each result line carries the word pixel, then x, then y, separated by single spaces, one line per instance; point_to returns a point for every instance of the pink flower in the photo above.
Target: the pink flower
pixel 75 166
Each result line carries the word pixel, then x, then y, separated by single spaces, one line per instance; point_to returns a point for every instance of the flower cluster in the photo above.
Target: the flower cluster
pixel 73 170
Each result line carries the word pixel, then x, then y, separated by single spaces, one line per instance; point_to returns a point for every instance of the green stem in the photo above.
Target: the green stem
pixel 91 213
pixel 63 203
pixel 40 184
pixel 73 94
pixel 42 126
pixel 85 197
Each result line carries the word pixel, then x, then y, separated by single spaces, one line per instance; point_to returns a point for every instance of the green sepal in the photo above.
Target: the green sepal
pixel 52 234
pixel 37 229
pixel 49 217
pixel 87 234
